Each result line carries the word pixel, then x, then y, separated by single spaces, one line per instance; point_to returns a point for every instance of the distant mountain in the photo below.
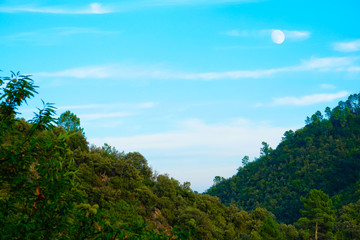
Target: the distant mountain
pixel 324 154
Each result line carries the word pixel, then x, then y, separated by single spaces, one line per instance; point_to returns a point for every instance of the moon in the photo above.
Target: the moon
pixel 278 36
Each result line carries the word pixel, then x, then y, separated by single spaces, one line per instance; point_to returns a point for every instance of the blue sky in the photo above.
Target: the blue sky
pixel 192 85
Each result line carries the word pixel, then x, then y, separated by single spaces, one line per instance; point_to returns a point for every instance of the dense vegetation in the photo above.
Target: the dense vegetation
pixel 53 185
pixel 324 155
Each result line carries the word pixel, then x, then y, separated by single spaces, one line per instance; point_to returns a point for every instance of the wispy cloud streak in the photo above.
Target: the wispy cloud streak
pixel 297 35
pixel 108 105
pixel 329 64
pixel 118 71
pixel 190 2
pixel 97 8
pixel 352 46
pixel 97 116
pixel 93 8
pixel 289 34
pixel 51 36
pixel 327 86
pixel 308 100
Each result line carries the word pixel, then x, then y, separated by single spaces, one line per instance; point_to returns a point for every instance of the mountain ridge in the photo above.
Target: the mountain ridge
pixel 324 154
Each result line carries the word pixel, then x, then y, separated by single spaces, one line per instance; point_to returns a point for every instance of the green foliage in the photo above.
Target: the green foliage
pixel 18 89
pixel 306 159
pixel 70 122
pixel 140 163
pixel 348 222
pixel 54 186
pixel 41 196
pixel 270 230
pixel 266 149
pixel 318 215
pixel 245 161
pixel 218 179
pixel 36 171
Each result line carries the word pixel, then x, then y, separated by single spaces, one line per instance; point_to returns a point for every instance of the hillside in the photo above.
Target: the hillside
pixel 324 154
pixel 53 185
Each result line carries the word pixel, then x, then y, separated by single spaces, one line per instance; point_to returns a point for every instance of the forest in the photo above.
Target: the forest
pixel 54 185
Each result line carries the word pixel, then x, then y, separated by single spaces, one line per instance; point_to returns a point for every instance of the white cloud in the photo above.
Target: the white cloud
pixel 201 147
pixel 296 35
pixel 132 72
pixel 232 74
pixel 108 124
pixel 109 106
pixel 78 30
pixel 329 64
pixel 191 2
pixel 233 33
pixel 124 71
pixel 97 8
pixel 354 69
pixel 111 111
pixel 308 100
pixel 87 106
pixel 257 105
pixel 289 34
pixel 236 138
pixel 352 46
pixel 51 36
pixel 96 116
pixel 248 33
pixel 327 86
pixel 93 8
pixel 147 105
pixel 113 71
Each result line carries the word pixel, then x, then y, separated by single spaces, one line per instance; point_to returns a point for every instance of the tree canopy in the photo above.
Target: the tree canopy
pixel 322 155
pixel 70 122
pixel 318 215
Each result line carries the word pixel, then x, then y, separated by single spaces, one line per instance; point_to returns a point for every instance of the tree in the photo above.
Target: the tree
pixel 318 214
pixel 15 91
pixel 348 222
pixel 138 161
pixel 245 161
pixel 35 192
pixel 353 103
pixel 218 179
pixel 317 117
pixel 270 229
pixel 266 149
pixel 38 195
pixel 70 122
pixel 328 113
pixel 288 135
